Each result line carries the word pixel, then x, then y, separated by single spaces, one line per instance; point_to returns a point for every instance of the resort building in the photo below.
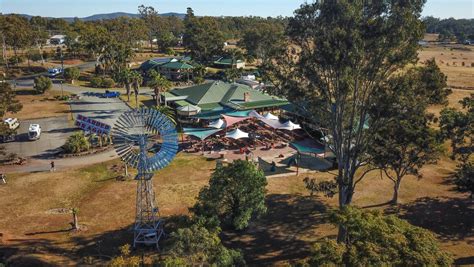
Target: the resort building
pixel 175 69
pixel 211 100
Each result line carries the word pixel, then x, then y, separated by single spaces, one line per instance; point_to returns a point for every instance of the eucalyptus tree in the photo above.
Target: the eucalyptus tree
pixel 150 16
pixel 406 141
pixel 337 56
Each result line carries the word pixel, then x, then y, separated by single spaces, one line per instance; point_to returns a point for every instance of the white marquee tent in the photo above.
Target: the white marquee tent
pixel 217 124
pixel 270 116
pixel 237 134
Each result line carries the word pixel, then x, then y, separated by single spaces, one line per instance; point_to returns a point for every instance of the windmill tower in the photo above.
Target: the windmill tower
pixel 135 137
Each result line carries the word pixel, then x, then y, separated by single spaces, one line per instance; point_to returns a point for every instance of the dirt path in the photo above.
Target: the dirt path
pixel 43 165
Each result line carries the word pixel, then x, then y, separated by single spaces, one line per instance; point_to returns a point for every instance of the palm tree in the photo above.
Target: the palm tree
pixel 124 77
pixel 235 55
pixel 136 79
pixel 159 84
pixel 167 111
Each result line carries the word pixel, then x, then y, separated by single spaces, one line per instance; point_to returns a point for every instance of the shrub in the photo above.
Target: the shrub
pixel 16 60
pixel 42 84
pixel 196 246
pixel 72 74
pixel 76 143
pixel 108 83
pixel 101 82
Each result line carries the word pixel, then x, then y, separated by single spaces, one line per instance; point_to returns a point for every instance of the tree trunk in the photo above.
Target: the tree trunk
pixel 396 188
pixel 157 97
pixel 129 90
pixel 345 199
pixel 75 221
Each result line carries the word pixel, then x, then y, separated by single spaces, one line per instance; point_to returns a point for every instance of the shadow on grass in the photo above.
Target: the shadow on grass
pixel 450 218
pixel 279 235
pixel 101 247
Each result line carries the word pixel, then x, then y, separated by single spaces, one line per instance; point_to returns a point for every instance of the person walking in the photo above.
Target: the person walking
pixel 2 177
pixel 52 167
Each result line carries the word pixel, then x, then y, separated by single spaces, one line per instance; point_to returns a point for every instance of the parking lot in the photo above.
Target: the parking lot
pixel 105 110
pixel 54 132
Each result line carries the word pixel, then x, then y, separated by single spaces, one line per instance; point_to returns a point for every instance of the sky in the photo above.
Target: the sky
pixel 264 8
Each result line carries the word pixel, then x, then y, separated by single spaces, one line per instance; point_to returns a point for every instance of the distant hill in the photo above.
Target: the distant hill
pixel 113 16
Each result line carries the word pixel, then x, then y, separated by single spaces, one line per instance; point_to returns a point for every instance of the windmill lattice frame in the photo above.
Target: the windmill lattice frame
pixel 133 130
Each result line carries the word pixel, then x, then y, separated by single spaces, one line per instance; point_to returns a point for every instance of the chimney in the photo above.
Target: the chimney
pixel 247 97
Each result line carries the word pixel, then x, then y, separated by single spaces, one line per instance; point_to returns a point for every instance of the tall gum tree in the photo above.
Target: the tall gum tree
pixel 338 55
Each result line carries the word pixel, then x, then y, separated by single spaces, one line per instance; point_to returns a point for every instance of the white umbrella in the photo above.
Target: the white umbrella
pixel 237 134
pixel 217 124
pixel 189 110
pixel 270 116
pixel 289 125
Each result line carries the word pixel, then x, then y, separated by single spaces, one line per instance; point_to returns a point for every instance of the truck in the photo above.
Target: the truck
pixel 34 132
pixel 11 126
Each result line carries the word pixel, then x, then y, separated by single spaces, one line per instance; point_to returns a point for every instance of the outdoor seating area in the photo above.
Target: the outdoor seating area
pixel 240 136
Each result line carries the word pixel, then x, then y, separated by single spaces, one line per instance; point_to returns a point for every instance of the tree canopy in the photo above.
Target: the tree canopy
pixel 202 37
pixel 378 240
pixel 235 194
pixel 195 245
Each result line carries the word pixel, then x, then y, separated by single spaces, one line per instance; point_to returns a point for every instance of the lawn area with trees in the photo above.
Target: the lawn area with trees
pixel 400 191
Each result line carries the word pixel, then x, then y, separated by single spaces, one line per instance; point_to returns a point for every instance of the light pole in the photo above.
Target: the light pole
pixel 62 72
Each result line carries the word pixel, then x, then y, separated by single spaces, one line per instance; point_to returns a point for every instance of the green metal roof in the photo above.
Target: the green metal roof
pixel 214 95
pixel 260 104
pixel 226 61
pixel 182 103
pixel 177 65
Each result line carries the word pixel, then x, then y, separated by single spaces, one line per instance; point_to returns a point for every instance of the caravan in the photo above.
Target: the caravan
pixel 34 132
pixel 12 125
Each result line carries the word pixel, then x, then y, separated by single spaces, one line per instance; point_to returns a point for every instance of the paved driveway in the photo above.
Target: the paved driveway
pixel 54 132
pixel 106 110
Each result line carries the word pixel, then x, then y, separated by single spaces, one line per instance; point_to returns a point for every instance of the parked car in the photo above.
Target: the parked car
pixel 34 132
pixel 109 94
pixel 53 72
pixel 12 126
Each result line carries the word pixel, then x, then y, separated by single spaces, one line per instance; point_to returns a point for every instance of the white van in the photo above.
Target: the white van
pixel 12 123
pixel 34 132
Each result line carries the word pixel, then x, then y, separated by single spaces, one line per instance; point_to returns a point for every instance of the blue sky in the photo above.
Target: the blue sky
pixel 82 8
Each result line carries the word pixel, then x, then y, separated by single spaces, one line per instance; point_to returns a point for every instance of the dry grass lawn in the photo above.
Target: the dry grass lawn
pixel 457 64
pixel 40 106
pixel 31 225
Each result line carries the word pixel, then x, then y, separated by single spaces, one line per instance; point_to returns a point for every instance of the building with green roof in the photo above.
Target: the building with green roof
pixel 174 69
pixel 229 63
pixel 217 98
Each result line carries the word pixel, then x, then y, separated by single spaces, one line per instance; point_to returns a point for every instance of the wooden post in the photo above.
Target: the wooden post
pixel 75 224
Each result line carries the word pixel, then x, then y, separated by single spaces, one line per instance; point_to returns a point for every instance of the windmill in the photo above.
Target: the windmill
pixel 135 137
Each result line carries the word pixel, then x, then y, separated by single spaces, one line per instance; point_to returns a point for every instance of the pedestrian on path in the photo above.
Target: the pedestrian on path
pixel 2 177
pixel 52 167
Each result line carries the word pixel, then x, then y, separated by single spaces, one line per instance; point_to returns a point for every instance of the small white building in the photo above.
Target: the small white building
pixel 57 39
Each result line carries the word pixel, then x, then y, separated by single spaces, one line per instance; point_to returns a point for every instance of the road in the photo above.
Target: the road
pixel 56 130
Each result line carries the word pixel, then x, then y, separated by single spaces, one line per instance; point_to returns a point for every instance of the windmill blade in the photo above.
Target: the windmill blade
pixel 135 125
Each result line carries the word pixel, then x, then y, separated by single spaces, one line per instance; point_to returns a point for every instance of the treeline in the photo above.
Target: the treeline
pixel 450 29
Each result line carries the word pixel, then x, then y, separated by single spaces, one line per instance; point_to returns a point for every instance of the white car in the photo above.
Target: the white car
pixel 34 132
pixel 54 72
